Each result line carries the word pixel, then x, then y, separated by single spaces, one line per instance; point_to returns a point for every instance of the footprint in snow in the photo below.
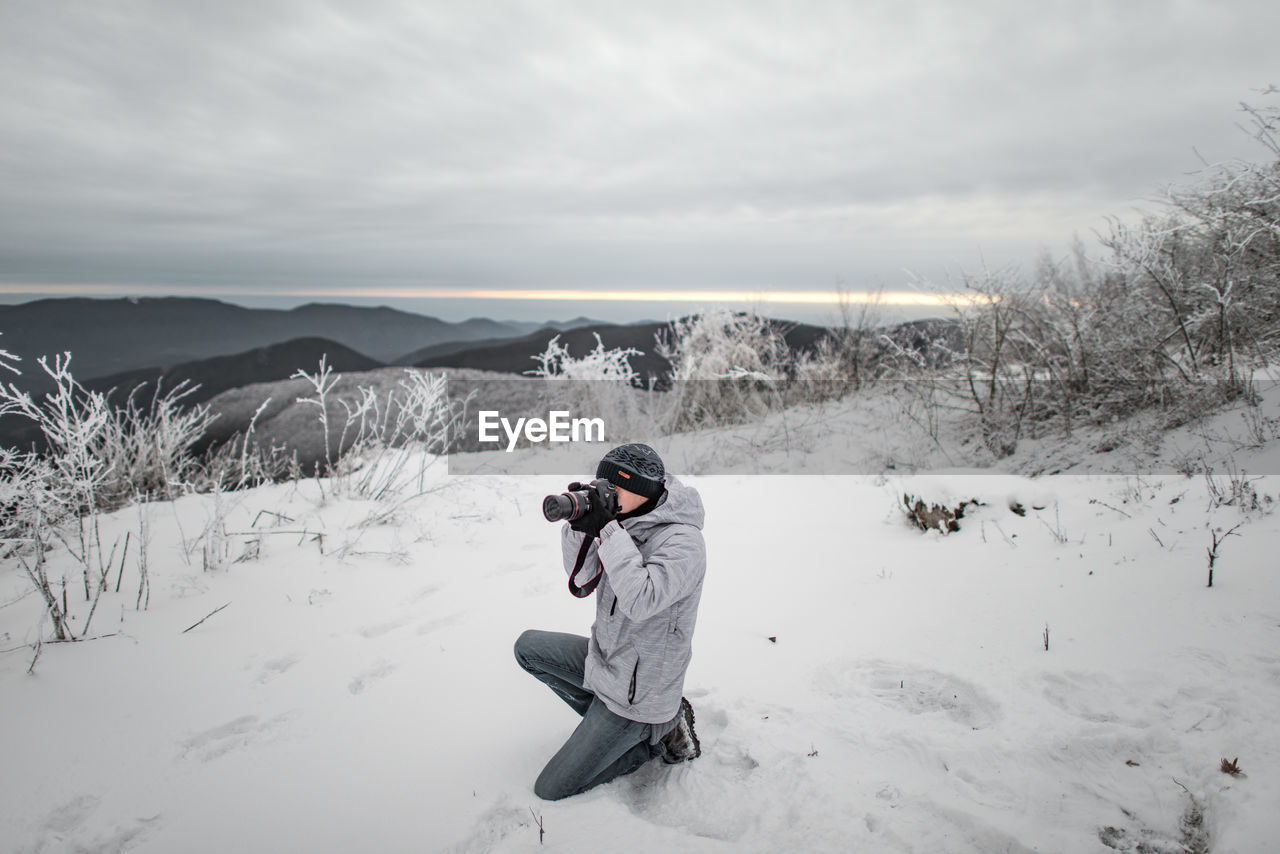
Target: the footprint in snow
pixel 425 592
pixel 70 815
pixel 233 735
pixel 379 629
pixel 510 568
pixel 275 667
pixel 374 674
pixel 67 821
pixel 913 690
pixel 708 797
pixel 430 626
pixel 496 824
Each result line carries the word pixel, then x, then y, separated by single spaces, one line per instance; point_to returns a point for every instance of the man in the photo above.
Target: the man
pixel 645 560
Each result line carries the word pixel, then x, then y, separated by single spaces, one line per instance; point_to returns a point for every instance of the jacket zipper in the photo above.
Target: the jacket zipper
pixel 615 606
pixel 631 696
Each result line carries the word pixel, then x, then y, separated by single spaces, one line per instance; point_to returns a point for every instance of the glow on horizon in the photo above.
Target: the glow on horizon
pixel 832 297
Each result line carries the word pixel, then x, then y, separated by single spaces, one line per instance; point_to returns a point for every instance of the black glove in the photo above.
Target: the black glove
pixel 580 524
pixel 602 511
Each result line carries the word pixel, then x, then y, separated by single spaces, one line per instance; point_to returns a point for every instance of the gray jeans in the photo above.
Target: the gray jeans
pixel 604 745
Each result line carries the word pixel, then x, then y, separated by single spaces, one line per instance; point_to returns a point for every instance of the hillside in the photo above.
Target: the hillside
pixel 448 348
pixel 869 687
pixel 262 364
pixel 207 378
pixel 112 336
pixel 287 422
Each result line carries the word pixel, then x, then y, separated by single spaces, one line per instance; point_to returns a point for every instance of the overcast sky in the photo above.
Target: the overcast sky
pixel 292 150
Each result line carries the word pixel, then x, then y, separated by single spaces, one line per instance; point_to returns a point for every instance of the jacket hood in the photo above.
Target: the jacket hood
pixel 682 504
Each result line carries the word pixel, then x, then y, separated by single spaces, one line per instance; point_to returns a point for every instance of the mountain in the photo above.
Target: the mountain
pixel 436 352
pixel 261 364
pixel 112 336
pixel 528 327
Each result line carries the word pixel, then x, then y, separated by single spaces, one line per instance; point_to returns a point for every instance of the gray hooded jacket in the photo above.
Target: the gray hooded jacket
pixel 646 604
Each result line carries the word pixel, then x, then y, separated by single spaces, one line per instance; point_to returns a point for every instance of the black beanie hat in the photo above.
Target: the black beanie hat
pixel 636 468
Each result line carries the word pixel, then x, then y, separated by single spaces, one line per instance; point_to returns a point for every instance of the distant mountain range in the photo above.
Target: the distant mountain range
pixel 113 332
pixel 112 336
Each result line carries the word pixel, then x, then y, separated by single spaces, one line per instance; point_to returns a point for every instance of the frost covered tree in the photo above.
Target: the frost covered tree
pixel 1176 318
pixel 1204 273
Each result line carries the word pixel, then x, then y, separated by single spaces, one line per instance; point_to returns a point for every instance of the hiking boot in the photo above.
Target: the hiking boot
pixel 682 742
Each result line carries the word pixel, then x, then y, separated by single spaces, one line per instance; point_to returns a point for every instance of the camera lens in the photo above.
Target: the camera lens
pixel 556 507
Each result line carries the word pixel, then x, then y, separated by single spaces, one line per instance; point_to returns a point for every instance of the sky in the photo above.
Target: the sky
pixel 524 160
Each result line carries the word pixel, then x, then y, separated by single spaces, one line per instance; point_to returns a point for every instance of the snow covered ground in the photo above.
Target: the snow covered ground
pixel 859 684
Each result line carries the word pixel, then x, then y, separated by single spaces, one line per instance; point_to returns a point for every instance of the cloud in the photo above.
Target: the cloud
pixel 548 144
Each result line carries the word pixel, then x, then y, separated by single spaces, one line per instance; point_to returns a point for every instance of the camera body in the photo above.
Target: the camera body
pixel 576 503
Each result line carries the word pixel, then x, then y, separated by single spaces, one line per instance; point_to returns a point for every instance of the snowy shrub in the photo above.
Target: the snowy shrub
pixel 828 372
pixel 322 383
pixel 361 431
pixel 845 360
pixel 95 459
pixel 599 383
pixel 213 540
pixel 726 368
pixel 600 364
pixel 241 463
pixel 998 373
pixel 1233 489
pixel 74 423
pixel 103 456
pixel 69 482
pixel 7 361
pixel 27 501
pixel 150 446
pixel 417 413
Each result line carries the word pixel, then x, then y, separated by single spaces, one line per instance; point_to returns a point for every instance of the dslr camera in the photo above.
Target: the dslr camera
pixel 577 502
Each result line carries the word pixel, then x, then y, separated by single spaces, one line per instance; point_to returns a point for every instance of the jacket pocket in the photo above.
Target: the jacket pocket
pixel 635 675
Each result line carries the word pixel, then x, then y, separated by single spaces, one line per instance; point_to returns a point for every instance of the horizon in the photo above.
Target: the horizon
pixel 459 310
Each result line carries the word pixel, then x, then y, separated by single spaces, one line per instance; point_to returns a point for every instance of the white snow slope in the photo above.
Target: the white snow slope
pixel 859 685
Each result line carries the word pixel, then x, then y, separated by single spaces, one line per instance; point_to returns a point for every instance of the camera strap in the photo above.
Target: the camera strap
pixel 588 588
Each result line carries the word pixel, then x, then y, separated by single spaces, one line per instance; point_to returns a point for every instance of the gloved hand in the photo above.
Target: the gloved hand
pixel 580 524
pixel 602 511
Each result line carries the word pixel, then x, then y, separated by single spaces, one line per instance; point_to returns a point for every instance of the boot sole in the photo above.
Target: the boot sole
pixel 693 732
pixel 686 711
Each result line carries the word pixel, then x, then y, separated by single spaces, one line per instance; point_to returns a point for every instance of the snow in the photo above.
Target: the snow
pixel 859 684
